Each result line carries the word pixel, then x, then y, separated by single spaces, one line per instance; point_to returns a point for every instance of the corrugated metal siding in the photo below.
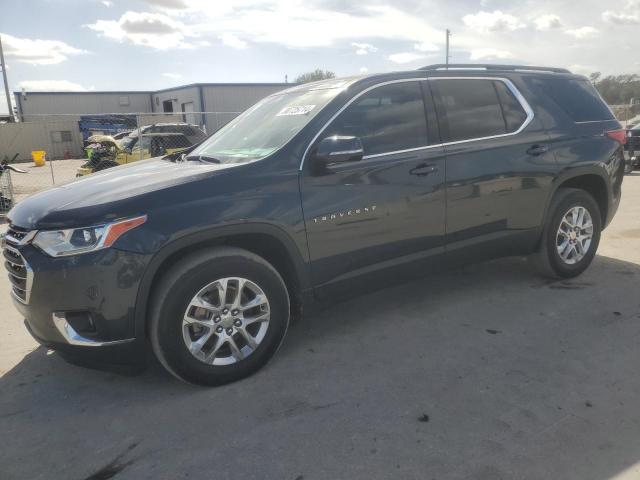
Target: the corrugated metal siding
pixel 179 96
pixel 82 103
pixel 22 138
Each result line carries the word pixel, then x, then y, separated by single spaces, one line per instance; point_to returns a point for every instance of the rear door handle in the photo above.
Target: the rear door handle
pixel 423 170
pixel 536 150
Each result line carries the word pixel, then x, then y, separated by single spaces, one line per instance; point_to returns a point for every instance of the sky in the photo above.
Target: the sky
pixel 155 44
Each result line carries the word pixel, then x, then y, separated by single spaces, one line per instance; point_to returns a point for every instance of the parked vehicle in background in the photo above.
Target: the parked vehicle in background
pixel 193 132
pixel 632 148
pixel 121 135
pixel 107 152
pixel 314 193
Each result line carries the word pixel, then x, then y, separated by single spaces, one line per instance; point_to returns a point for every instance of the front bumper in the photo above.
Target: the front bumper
pixel 84 305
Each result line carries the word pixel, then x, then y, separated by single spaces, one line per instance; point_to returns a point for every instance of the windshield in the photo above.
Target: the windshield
pixel 266 126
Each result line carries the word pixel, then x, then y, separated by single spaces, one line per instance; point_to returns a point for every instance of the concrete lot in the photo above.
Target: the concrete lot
pixel 485 373
pixel 39 178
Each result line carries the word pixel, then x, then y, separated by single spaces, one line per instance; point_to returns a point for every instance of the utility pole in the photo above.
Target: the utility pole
pixel 6 82
pixel 447 53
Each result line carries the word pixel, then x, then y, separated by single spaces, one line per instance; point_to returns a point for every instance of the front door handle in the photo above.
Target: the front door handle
pixel 423 170
pixel 537 150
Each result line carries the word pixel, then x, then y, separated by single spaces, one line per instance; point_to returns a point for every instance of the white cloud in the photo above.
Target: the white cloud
pixel 629 15
pixel 582 69
pixel 36 51
pixel 149 29
pixel 490 54
pixel 582 32
pixel 548 22
pixel 364 70
pixel 52 86
pixel 621 18
pixel 298 24
pixel 230 40
pixel 426 47
pixel 364 48
pixel 171 4
pixel 173 76
pixel 406 57
pixel 496 21
pixel 107 3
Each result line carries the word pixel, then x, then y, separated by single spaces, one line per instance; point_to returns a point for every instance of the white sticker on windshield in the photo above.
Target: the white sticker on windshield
pixel 295 110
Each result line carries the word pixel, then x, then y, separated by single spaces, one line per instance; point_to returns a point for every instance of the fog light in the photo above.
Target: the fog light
pixel 81 322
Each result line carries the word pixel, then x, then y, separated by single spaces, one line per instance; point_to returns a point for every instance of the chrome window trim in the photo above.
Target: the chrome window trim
pixel 512 88
pixel 595 121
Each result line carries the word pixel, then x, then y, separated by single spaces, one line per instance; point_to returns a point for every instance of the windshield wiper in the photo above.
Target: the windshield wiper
pixel 203 158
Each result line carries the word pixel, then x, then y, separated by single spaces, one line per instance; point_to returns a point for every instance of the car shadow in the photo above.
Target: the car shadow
pixel 484 372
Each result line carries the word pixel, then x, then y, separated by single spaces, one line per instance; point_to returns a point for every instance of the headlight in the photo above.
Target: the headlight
pixel 74 241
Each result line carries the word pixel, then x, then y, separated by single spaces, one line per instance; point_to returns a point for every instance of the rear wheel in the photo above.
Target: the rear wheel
pixel 218 316
pixel 571 235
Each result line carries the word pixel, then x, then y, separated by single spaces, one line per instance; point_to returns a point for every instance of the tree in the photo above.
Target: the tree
pixel 618 89
pixel 314 76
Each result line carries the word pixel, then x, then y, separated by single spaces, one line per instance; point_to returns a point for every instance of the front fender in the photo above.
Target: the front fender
pixel 209 238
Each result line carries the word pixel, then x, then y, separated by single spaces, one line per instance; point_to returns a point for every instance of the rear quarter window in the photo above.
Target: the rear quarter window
pixel 578 98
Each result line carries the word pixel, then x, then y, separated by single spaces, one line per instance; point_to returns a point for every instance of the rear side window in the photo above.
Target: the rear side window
pixel 578 98
pixel 387 119
pixel 514 114
pixel 478 108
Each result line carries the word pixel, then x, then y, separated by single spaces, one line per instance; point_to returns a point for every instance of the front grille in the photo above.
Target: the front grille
pixel 15 235
pixel 20 274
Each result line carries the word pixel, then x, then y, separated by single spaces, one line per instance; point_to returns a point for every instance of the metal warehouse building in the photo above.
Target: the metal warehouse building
pixel 50 120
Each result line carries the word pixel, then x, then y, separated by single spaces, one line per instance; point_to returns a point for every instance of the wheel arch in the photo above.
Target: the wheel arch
pixel 268 241
pixel 591 180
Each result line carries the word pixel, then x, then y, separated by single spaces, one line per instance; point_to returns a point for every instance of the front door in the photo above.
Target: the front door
pixel 388 209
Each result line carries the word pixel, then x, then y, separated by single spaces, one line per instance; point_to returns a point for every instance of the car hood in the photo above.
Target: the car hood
pixel 108 195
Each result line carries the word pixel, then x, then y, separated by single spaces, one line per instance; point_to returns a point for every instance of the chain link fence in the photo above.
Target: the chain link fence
pixel 56 149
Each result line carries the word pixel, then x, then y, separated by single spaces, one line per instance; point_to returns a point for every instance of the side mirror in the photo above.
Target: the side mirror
pixel 336 149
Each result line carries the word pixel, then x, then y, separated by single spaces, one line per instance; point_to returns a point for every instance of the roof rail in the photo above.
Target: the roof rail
pixel 473 66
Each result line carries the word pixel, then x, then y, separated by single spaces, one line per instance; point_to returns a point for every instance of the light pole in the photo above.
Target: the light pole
pixel 6 82
pixel 447 48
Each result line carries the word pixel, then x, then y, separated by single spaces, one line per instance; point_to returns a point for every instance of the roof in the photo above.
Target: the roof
pixel 487 66
pixel 149 92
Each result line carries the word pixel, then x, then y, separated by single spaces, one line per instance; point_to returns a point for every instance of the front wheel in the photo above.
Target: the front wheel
pixel 218 316
pixel 571 235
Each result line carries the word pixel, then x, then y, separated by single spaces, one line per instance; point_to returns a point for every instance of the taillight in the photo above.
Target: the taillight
pixel 619 136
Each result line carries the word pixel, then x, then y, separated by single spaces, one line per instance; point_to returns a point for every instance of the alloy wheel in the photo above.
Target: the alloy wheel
pixel 226 321
pixel 574 235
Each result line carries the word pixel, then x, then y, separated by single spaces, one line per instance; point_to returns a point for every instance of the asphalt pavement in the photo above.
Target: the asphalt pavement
pixel 488 372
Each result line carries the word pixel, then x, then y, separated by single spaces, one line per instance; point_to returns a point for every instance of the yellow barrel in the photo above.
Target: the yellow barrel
pixel 39 157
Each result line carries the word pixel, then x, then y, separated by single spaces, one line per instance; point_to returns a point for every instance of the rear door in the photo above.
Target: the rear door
pixel 388 209
pixel 499 168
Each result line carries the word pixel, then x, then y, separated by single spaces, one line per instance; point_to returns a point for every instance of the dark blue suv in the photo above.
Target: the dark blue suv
pixel 316 191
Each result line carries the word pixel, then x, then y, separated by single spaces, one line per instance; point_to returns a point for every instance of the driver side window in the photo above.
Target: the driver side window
pixel 386 119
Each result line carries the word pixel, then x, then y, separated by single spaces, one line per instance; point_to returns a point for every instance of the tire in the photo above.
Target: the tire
pixel 548 259
pixel 173 301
